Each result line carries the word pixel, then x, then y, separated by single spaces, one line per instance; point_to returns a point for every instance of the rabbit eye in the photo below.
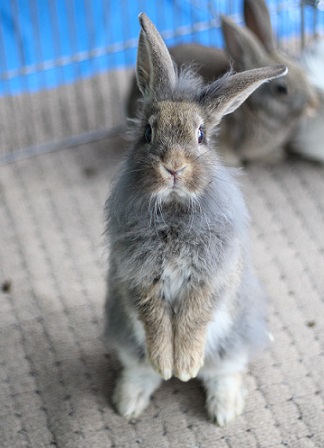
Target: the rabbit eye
pixel 200 135
pixel 282 89
pixel 148 134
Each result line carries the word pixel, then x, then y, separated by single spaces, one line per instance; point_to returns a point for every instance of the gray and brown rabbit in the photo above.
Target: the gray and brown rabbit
pixel 183 299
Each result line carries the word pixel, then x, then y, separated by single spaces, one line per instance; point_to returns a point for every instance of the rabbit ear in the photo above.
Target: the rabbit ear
pixel 242 46
pixel 225 95
pixel 143 65
pixel 154 70
pixel 257 18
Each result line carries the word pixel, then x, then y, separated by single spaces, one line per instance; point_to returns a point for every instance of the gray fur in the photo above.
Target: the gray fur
pixel 179 244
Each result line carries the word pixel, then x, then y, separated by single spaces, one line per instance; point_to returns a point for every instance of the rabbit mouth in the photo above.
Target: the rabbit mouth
pixel 174 185
pixel 179 181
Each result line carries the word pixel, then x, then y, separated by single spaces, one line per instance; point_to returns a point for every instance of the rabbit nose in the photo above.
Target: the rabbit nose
pixel 174 173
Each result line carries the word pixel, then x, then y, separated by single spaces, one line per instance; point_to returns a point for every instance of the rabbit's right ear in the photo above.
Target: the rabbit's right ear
pixel 242 46
pixel 143 64
pixel 257 18
pixel 154 69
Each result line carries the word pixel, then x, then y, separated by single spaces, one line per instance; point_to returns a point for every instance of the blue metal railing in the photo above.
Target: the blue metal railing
pixel 47 43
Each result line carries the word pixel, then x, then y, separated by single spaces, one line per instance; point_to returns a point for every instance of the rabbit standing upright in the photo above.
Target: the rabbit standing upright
pixel 183 298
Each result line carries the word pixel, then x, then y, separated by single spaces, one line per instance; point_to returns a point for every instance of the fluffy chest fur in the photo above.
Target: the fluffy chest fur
pixel 174 246
pixel 173 260
pixel 169 255
pixel 175 278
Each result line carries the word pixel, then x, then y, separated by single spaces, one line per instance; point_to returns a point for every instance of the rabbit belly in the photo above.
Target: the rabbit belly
pixel 175 279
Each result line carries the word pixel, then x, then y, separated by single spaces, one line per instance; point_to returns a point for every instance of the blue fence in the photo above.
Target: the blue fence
pixel 47 43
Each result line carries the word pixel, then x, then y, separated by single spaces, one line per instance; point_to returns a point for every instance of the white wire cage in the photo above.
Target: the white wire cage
pixel 65 65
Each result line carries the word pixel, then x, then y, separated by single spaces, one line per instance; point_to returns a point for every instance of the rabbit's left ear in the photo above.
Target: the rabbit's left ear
pixel 154 70
pixel 225 95
pixel 257 18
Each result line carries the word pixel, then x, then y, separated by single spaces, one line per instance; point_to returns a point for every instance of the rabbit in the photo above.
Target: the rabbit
pixel 308 138
pixel 183 298
pixel 263 126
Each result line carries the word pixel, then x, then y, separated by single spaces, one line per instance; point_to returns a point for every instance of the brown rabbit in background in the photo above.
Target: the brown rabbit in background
pixel 183 298
pixel 262 127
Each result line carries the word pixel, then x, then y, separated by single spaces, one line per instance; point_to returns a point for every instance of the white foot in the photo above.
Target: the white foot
pixel 134 389
pixel 225 398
